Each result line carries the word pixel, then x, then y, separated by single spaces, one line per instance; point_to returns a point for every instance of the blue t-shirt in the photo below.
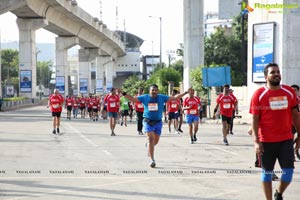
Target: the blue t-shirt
pixel 153 107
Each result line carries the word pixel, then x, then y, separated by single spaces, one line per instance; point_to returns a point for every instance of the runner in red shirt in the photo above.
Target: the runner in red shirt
pixel 55 103
pixel 226 104
pixel 69 105
pixel 139 110
pixel 173 114
pixel 191 107
pixel 296 89
pixel 75 107
pixel 113 105
pixel 82 102
pixel 274 109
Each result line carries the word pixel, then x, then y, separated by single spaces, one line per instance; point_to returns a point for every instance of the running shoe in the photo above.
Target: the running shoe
pixel 121 123
pixel 192 140
pixel 113 134
pixel 195 138
pixel 226 142
pixel 231 133
pixel 54 131
pixel 152 164
pixel 277 196
pixel 57 130
pixel 181 131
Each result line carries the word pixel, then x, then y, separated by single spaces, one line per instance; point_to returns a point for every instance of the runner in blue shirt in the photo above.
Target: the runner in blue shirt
pixel 153 110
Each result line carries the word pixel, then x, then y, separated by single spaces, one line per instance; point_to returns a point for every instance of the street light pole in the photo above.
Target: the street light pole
pixel 160 40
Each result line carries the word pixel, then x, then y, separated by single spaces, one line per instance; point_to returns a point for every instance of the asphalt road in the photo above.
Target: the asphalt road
pixel 84 162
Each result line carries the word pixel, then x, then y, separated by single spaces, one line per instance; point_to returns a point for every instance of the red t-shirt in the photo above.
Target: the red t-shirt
pixel 274 108
pixel 69 102
pixel 138 106
pixel 82 102
pixel 226 103
pixel 173 105
pixel 56 102
pixel 113 102
pixel 75 103
pixel 193 104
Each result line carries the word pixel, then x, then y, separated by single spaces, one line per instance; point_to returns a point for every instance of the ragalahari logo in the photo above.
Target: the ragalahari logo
pixel 246 8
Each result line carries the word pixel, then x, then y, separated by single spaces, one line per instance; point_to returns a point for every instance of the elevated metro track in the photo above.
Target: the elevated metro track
pixel 66 19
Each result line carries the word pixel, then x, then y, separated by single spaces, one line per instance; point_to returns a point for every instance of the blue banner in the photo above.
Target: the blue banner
pixel 216 76
pixel 25 81
pixel 60 84
pixel 83 86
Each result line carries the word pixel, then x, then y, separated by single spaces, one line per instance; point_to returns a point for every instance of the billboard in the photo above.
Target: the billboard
pixel 25 81
pixel 60 84
pixel 263 49
pixel 83 86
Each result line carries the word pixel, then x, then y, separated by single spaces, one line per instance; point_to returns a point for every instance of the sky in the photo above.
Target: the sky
pixel 134 14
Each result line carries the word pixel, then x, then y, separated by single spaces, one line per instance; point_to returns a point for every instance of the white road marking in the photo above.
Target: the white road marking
pixel 82 136
pixel 221 149
pixel 87 139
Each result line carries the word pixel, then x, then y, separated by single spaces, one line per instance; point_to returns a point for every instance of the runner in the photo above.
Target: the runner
pixel 69 105
pixel 139 109
pixel 191 106
pixel 173 114
pixel 55 103
pixel 153 114
pixel 274 108
pixel 113 104
pixel 226 103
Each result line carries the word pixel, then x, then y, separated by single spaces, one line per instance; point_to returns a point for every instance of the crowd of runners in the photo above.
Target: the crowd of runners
pixel 270 104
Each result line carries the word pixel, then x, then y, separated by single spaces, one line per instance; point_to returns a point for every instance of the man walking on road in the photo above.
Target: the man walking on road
pixel 226 103
pixel 153 110
pixel 113 105
pixel 274 108
pixel 55 103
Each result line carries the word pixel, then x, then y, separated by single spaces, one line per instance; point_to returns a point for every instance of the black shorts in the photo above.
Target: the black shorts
pixel 283 151
pixel 227 119
pixel 56 114
pixel 95 110
pixel 90 109
pixel 82 108
pixel 125 112
pixel 69 108
pixel 173 115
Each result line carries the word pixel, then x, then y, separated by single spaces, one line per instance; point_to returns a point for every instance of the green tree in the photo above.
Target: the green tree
pixel 161 78
pixel 10 65
pixel 223 48
pixel 43 73
pixel 10 68
pixel 132 83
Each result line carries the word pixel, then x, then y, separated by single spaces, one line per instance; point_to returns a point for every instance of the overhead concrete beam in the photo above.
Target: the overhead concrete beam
pixel 8 5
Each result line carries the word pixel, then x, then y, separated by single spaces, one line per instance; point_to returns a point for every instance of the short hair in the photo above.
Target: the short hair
pixel 226 85
pixel 267 67
pixel 295 86
pixel 175 91
pixel 112 89
pixel 154 85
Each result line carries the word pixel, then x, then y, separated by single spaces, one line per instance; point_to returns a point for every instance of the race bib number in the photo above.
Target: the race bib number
pixel 226 105
pixel 75 104
pixel 174 106
pixel 153 107
pixel 112 104
pixel 69 104
pixel 140 106
pixel 193 111
pixel 278 103
pixel 95 107
pixel 55 105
